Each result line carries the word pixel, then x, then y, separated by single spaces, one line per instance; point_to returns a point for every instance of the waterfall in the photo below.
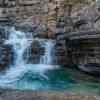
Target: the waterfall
pixel 47 58
pixel 20 42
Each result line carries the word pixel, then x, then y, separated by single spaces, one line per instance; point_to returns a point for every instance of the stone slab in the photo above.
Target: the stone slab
pixel 36 95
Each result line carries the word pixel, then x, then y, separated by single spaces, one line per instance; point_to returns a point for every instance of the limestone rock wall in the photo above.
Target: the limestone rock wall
pixel 47 17
pixel 43 13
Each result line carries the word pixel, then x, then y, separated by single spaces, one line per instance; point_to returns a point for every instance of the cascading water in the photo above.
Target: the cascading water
pixel 20 42
pixel 48 56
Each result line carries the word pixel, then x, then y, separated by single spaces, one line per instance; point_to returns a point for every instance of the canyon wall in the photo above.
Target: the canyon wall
pixel 49 17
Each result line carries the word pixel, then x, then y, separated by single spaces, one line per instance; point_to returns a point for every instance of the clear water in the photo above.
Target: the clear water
pixel 44 75
pixel 58 79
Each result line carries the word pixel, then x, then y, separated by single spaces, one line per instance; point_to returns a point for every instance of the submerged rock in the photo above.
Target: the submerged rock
pixel 91 68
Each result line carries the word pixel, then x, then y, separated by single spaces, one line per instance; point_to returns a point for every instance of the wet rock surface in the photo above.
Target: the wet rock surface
pixel 60 53
pixel 34 52
pixel 6 51
pixel 6 56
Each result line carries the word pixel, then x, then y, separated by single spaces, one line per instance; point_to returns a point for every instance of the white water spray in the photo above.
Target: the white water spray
pixel 20 42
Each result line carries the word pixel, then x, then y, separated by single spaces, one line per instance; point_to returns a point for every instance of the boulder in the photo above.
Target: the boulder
pixel 90 68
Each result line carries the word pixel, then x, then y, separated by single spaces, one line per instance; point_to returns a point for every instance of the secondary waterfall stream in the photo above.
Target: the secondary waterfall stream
pixel 48 56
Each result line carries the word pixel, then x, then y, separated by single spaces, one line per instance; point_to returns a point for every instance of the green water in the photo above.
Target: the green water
pixel 62 79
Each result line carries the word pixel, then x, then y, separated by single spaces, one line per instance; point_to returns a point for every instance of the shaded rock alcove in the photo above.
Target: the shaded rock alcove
pixel 34 52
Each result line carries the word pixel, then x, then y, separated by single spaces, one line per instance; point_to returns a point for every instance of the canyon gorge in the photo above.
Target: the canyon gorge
pixel 50 45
